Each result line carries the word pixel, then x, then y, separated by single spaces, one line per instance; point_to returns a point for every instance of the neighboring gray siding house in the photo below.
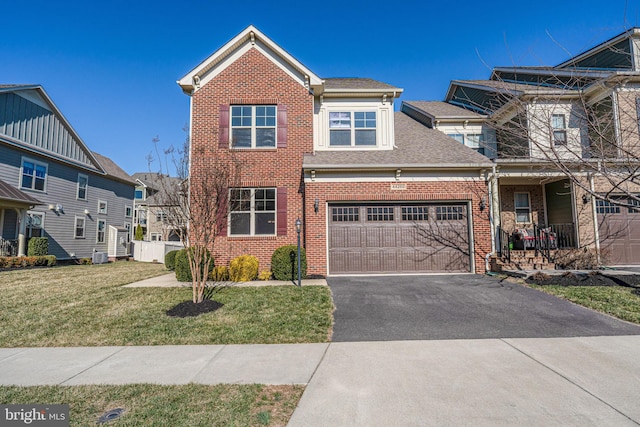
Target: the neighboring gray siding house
pixel 52 185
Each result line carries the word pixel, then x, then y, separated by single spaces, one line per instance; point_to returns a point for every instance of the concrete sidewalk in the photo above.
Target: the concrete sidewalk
pixel 169 281
pixel 553 381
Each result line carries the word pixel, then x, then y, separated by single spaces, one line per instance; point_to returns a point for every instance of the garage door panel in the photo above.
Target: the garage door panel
pixel 399 238
pixel 619 230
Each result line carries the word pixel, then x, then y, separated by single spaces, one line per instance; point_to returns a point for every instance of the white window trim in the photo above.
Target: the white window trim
pixel 86 189
pixel 352 128
pixel 41 214
pixel 75 227
pixel 104 231
pixel 515 207
pixel 35 163
pixel 253 127
pixel 252 213
pixel 558 129
pixel 130 211
pixel 106 206
pixel 130 228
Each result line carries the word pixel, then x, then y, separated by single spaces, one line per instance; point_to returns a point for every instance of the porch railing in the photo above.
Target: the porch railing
pixel 504 243
pixel 565 235
pixel 8 247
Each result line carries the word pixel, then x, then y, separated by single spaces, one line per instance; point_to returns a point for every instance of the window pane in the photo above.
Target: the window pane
pixel 266 137
pixel 27 181
pixel 339 120
pixel 340 137
pixel 39 184
pixel 240 223
pixel 522 200
pixel 265 223
pixel 41 171
pixel 474 140
pixel 522 216
pixel 28 168
pixel 365 119
pixel 457 136
pixel 365 137
pixel 557 121
pixel 241 138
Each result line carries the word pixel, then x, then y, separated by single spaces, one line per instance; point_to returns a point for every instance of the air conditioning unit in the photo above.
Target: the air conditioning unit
pixel 99 258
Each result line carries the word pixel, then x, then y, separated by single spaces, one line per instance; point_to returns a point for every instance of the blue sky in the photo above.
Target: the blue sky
pixel 111 66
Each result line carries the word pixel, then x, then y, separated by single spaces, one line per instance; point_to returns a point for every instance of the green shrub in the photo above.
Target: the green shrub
pixel 284 263
pixel 170 260
pixel 220 273
pixel 38 246
pixel 183 271
pixel 243 268
pixel 139 234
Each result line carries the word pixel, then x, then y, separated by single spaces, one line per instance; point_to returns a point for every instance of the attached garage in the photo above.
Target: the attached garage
pixel 374 238
pixel 619 229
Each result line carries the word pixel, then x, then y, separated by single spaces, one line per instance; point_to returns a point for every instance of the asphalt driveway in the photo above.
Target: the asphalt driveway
pixel 466 306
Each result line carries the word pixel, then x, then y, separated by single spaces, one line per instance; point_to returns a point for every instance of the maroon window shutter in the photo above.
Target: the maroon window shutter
pixel 282 211
pixel 282 126
pixel 223 127
pixel 223 214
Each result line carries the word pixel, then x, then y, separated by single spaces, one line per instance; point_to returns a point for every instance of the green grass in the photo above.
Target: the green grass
pixel 154 405
pixel 616 301
pixel 87 306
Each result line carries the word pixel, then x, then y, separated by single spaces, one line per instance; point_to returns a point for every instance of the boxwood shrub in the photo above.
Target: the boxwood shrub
pixel 38 246
pixel 284 263
pixel 170 260
pixel 183 271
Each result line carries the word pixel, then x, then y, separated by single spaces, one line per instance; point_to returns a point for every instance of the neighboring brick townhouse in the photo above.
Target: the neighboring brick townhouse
pixel 376 190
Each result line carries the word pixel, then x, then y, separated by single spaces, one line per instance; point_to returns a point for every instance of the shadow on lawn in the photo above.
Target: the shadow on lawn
pixel 593 278
pixel 192 309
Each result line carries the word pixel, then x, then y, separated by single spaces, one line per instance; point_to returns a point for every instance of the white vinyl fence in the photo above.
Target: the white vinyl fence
pixel 153 251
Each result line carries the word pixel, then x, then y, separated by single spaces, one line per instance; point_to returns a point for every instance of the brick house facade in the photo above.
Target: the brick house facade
pixel 376 191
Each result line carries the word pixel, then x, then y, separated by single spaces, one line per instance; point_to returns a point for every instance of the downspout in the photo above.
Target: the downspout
pixel 491 178
pixel 594 214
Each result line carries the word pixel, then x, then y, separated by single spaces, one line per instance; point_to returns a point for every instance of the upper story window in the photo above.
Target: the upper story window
pixel 102 207
pixel 34 175
pixel 253 126
pixel 128 211
pixel 348 129
pixel 83 181
pixel 139 194
pixel 559 127
pixel 473 140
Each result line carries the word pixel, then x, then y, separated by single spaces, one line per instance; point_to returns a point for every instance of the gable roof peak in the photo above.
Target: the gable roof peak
pixel 248 38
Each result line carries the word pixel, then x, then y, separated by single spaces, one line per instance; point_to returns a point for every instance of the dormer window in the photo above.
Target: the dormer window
pixel 253 126
pixel 349 129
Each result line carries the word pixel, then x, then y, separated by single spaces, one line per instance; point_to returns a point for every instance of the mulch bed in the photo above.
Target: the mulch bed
pixel 191 309
pixel 594 278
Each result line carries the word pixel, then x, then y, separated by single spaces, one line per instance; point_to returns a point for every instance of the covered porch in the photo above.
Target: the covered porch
pixel 14 205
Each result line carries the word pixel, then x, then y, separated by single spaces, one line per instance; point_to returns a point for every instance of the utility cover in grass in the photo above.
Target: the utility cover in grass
pixel 192 309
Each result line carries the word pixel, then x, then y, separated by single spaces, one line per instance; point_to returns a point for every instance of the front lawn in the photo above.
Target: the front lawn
pixel 618 301
pixel 190 405
pixel 87 306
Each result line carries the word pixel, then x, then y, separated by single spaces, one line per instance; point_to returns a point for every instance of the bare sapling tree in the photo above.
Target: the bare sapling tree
pixel 195 203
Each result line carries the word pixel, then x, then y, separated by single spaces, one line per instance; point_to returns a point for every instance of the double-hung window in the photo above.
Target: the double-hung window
pixel 102 207
pixel 83 181
pixel 253 126
pixel 102 226
pixel 522 207
pixel 34 175
pixel 347 129
pixel 79 227
pixel 253 212
pixel 559 127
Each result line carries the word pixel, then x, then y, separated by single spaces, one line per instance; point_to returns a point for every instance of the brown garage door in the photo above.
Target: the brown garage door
pixel 619 229
pixel 398 238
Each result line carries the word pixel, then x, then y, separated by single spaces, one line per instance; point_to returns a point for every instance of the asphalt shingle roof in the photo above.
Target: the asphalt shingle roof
pixel 513 88
pixel 341 83
pixel 416 146
pixel 113 169
pixel 440 109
